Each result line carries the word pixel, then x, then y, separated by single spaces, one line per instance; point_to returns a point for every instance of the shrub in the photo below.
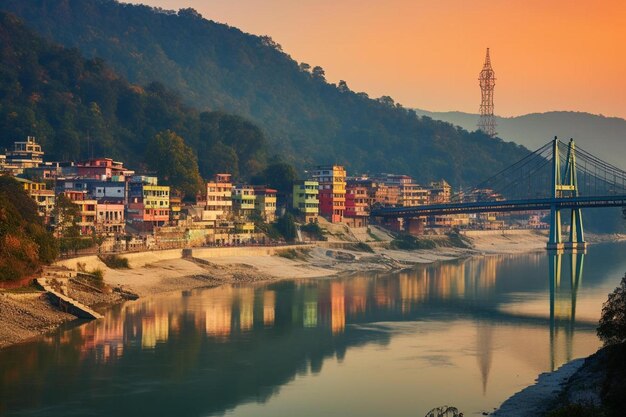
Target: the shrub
pixel 293 254
pixel 612 327
pixel 408 242
pixel 360 247
pixel 115 262
pixel 576 410
pixel 314 230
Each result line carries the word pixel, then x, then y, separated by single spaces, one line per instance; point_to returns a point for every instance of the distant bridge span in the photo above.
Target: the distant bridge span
pixel 555 177
pixel 501 206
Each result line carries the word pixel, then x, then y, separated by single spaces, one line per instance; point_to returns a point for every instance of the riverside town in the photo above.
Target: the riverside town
pixel 119 209
pixel 312 209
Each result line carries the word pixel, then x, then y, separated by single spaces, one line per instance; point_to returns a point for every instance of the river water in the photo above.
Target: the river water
pixel 467 333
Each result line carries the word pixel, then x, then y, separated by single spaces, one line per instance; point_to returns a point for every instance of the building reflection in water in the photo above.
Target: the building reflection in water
pixel 219 314
pixel 223 312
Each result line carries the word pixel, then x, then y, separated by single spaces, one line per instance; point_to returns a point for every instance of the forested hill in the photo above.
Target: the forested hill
pixel 307 120
pixel 604 136
pixel 79 108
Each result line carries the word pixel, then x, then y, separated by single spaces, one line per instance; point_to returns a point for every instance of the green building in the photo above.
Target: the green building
pixel 305 199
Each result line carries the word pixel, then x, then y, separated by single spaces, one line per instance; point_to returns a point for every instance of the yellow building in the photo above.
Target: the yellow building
pixel 43 197
pixel 265 203
pixel 332 191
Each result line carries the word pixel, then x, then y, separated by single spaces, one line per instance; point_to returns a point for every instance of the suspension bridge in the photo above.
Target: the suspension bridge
pixel 556 177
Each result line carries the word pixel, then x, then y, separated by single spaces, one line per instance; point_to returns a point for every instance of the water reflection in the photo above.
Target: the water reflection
pixel 210 350
pixel 563 295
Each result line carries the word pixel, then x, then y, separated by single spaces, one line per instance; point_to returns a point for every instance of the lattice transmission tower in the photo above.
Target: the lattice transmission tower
pixel 487 79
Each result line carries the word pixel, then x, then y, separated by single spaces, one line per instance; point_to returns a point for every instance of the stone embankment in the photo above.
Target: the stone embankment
pixel 66 303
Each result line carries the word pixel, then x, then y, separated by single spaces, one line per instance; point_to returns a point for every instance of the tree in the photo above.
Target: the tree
pixel 175 162
pixel 319 73
pixel 66 216
pixel 612 328
pixel 286 225
pixel 343 86
pixel 24 241
pixel 279 175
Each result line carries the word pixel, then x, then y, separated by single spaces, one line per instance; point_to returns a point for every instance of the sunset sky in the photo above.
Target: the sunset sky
pixel 547 55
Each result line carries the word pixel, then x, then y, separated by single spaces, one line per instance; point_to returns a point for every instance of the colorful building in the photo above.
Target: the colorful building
pixel 244 200
pixel 357 208
pixel 332 191
pixel 43 197
pixel 219 194
pixel 409 193
pixel 27 154
pixel 110 218
pixel 305 199
pixel 265 203
pixel 148 203
pixel 102 169
pixel 86 211
pixel 440 192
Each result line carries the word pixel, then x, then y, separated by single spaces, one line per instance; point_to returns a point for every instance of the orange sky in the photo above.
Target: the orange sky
pixel 547 55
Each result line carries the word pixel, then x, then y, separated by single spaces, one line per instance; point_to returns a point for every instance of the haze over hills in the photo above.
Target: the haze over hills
pixel 306 120
pixel 603 136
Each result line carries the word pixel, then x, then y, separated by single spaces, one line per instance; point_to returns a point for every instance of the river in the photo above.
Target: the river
pixel 467 333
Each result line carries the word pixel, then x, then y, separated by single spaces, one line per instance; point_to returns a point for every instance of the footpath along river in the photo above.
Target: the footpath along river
pixel 468 333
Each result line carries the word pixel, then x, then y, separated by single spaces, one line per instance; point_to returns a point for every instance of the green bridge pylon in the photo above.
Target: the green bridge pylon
pixel 565 185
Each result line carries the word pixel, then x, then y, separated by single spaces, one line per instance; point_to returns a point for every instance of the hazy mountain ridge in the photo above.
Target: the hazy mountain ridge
pixel 78 108
pixel 307 120
pixel 603 136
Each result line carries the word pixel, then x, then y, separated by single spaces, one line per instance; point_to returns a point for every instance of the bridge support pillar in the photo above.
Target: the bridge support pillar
pixel 555 242
pixel 565 184
pixel 576 233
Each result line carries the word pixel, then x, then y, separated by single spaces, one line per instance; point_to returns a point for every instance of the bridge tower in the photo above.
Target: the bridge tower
pixel 565 185
pixel 487 81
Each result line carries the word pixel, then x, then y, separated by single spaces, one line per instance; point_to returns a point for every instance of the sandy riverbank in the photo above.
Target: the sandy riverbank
pixel 163 271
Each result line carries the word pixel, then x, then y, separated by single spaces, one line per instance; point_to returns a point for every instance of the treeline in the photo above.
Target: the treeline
pixel 308 120
pixel 80 108
pixel 25 244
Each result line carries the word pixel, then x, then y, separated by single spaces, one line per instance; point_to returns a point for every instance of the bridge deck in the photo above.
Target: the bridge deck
pixel 502 206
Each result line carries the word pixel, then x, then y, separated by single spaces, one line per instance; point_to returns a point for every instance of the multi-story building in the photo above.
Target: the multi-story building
pixel 305 199
pixel 148 203
pixel 244 200
pixel 102 169
pixel 86 211
pixel 357 208
pixel 265 203
pixel 332 191
pixel 27 154
pixel 43 197
pixel 96 189
pixel 176 206
pixel 409 193
pixel 440 192
pixel 45 171
pixel 110 218
pixel 219 195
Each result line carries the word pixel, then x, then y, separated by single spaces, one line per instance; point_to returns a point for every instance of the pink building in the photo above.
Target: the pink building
pixel 357 207
pixel 102 168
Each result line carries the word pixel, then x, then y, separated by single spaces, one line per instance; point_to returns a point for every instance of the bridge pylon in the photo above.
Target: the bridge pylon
pixel 565 185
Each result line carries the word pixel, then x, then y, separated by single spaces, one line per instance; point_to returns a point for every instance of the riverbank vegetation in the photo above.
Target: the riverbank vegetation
pixel 25 244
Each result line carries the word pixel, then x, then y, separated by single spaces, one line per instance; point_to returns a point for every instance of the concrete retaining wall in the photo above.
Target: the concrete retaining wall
pixel 139 259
